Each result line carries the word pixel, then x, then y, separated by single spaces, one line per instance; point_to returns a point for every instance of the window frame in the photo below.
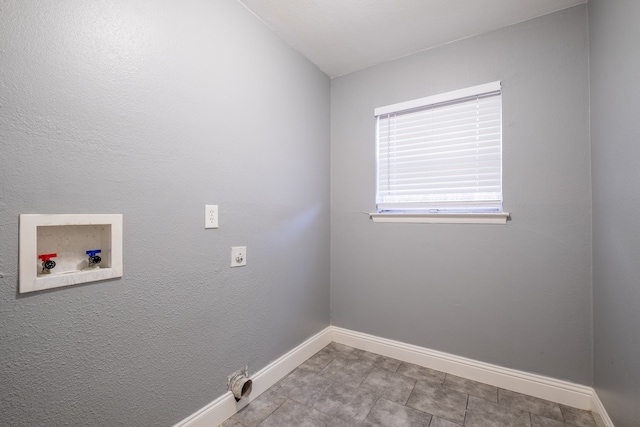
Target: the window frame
pixel 465 216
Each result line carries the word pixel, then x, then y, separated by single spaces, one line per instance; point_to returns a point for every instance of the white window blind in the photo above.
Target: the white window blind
pixel 441 153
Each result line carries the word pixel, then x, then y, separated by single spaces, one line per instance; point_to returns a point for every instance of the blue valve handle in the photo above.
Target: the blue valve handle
pixel 93 252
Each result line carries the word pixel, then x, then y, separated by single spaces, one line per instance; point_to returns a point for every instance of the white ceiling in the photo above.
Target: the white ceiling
pixel 341 36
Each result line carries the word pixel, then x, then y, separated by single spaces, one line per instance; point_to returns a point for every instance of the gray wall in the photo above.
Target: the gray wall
pixel 615 139
pixel 152 109
pixel 517 295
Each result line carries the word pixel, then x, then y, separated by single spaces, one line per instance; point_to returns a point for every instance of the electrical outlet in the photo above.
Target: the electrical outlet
pixel 238 256
pixel 210 216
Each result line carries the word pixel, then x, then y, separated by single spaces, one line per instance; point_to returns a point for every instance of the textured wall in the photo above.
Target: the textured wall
pixel 152 109
pixel 615 132
pixel 517 295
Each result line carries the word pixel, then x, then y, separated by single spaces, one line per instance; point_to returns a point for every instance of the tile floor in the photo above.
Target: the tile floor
pixel 345 387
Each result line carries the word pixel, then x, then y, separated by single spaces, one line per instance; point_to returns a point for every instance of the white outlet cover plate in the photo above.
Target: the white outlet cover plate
pixel 210 216
pixel 238 256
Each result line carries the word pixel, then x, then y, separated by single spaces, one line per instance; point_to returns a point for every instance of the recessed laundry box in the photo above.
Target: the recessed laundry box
pixel 68 249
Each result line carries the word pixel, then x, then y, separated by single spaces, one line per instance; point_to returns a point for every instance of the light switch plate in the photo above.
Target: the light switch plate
pixel 210 216
pixel 238 256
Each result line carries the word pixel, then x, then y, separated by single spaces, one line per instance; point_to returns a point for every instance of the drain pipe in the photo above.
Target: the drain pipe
pixel 240 384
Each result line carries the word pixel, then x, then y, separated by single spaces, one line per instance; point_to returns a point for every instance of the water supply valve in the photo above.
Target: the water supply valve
pixel 47 263
pixel 94 259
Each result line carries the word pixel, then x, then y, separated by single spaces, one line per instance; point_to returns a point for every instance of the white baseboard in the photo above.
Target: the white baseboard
pixel 599 412
pixel 559 391
pixel 281 367
pixel 226 406
pixel 564 392
pixel 214 414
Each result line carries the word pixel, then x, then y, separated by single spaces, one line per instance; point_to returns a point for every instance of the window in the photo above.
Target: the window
pixel 441 154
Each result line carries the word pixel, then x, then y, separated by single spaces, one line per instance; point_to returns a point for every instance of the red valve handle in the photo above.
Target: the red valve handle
pixel 47 257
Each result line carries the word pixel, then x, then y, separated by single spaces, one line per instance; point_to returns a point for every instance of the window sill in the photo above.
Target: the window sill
pixel 442 218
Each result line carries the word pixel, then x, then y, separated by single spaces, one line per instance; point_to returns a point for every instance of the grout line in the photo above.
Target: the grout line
pixel 564 419
pixel 371 409
pixel 466 409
